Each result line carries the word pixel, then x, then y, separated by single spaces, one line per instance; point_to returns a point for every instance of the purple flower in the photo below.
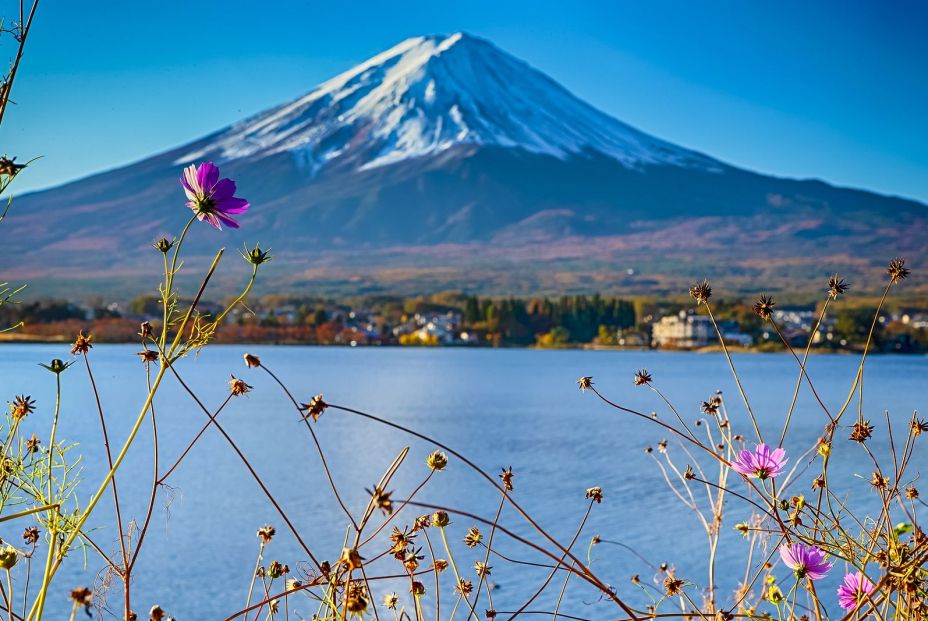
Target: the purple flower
pixel 211 198
pixel 807 561
pixel 854 591
pixel 762 463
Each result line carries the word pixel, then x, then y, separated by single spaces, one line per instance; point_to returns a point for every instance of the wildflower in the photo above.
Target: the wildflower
pixel 81 344
pixel 381 499
pixel 473 537
pixel 8 557
pixel 238 387
pixel 32 444
pixel 774 595
pixel 390 600
pixel 919 427
pixel 897 270
pixel 211 198
pixel 266 533
pixel 57 366
pixel 256 256
pixel 862 431
pixel 763 307
pixel 584 383
pixel 82 596
pixel 9 167
pixel 440 519
pixel 595 494
pixel 464 587
pixel 163 245
pixel 837 286
pixel 701 292
pixel 30 535
pixel 417 588
pixel 506 477
pixel 315 407
pixel 672 586
pixel 145 330
pixel 252 361
pixel 21 406
pixel 482 569
pixel 148 356
pixel 806 561
pixel 824 447
pixel 437 461
pixel 642 377
pixel 351 558
pixel 854 591
pixel 760 464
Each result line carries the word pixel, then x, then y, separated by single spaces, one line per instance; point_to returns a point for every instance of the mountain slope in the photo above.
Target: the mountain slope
pixel 445 162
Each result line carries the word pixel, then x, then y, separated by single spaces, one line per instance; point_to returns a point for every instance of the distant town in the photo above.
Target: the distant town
pixel 455 319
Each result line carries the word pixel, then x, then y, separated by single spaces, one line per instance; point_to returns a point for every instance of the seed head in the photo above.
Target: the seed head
pixel 482 569
pixel 879 481
pixel 356 598
pixel 31 535
pixel 473 537
pixel 642 377
pixel 440 565
pixel 145 330
pixel 763 307
pixel 315 407
pixel 595 494
pixel 688 474
pixel 351 558
pixel 437 461
pixel 862 431
pixel 8 557
pixel 252 361
pixel 32 444
pixel 277 569
pixel 390 600
pixel 837 286
pixel 266 533
pixel 672 586
pixel 440 519
pixel 381 499
pixel 897 270
pixel 238 387
pixel 417 588
pixel 148 356
pixel 9 167
pixel 81 344
pixel 584 383
pixel 464 587
pixel 919 427
pixel 506 477
pixel 22 406
pixel 82 596
pixel 701 292
pixel 911 493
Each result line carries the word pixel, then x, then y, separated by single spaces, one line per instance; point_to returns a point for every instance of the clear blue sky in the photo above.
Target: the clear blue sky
pixel 836 90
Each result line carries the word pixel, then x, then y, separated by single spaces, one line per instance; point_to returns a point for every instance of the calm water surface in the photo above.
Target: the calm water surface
pixel 499 407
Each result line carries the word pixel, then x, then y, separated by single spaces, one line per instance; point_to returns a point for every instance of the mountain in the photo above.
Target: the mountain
pixel 445 162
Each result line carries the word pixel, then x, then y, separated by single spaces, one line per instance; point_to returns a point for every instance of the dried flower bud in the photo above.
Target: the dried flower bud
pixel 506 477
pixel 862 431
pixel 417 588
pixel 30 535
pixel 837 286
pixel 473 537
pixel 238 387
pixel 440 519
pixel 390 600
pixel 57 366
pixel 148 356
pixel 163 245
pixel 266 533
pixel 145 331
pixel 763 307
pixel 22 406
pixel 897 270
pixel 82 596
pixel 32 444
pixel 8 557
pixel 482 569
pixel 351 558
pixel 672 586
pixel 252 361
pixel 642 377
pixel 315 407
pixel 256 256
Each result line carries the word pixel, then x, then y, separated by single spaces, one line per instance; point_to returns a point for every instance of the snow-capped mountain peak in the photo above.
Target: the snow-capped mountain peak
pixel 429 94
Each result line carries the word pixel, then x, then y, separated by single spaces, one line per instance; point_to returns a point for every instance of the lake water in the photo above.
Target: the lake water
pixel 498 407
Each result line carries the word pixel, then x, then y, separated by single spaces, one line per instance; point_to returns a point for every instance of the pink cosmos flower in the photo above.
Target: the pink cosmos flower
pixel 762 463
pixel 854 591
pixel 807 561
pixel 211 198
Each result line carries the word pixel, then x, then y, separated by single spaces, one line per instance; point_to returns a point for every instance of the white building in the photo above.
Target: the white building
pixel 688 330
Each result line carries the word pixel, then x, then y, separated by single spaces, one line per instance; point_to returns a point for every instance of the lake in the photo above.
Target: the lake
pixel 518 408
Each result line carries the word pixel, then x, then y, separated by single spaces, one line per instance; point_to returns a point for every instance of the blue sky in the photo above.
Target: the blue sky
pixel 835 90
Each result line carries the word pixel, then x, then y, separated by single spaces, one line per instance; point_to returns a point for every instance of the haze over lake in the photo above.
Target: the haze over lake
pixel 498 407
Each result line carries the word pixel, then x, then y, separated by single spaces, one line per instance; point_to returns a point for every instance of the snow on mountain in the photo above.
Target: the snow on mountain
pixel 427 95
